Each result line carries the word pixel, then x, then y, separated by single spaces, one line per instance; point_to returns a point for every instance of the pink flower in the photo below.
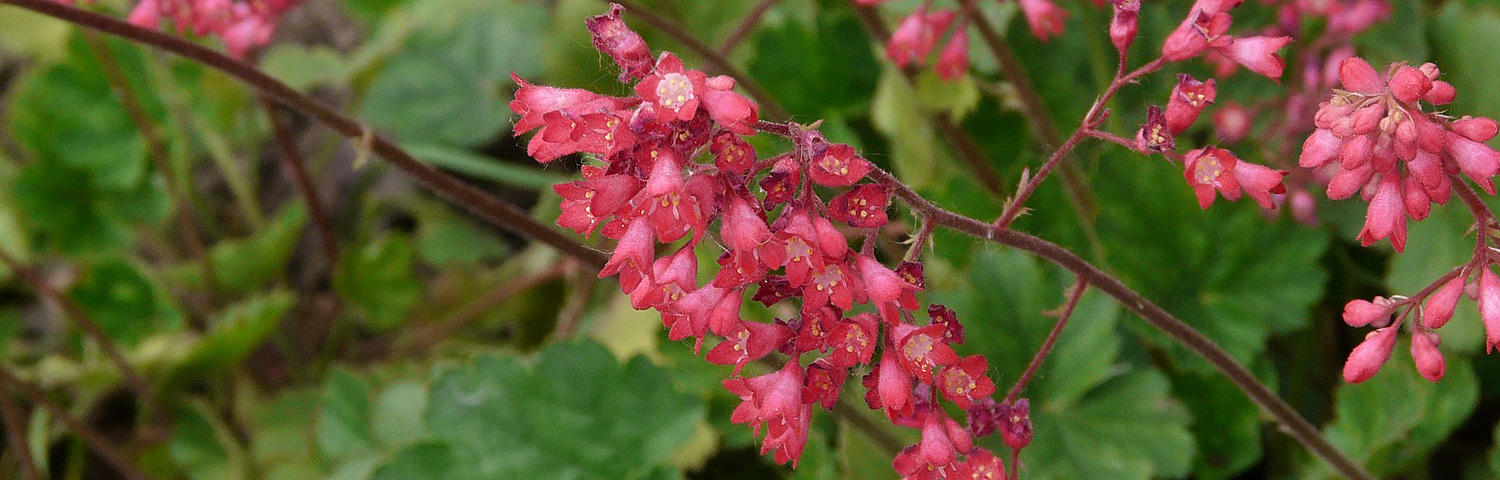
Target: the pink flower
pixel 824 380
pixel 1258 54
pixel 862 206
pixel 953 61
pixel 922 350
pixel 1015 424
pixel 942 441
pixel 1196 34
pixel 632 256
pixel 749 341
pixel 613 37
pixel 966 381
pixel 980 464
pixel 1232 122
pixel 673 90
pixel 852 341
pixel 1044 17
pixel 887 290
pixel 888 387
pixel 1259 182
pixel 1124 24
pixel 736 113
pixel 1442 302
pixel 774 401
pixel 916 36
pixel 1489 308
pixel 1209 169
pixel 732 153
pixel 1424 351
pixel 839 167
pixel 1188 99
pixel 1358 313
pixel 1154 136
pixel 1386 217
pixel 1367 358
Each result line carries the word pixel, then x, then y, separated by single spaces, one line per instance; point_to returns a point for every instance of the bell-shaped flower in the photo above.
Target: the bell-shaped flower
pixel 747 342
pixel 1367 358
pixel 614 38
pixel 966 381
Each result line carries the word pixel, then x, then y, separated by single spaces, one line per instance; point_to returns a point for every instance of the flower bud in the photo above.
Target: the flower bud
pixel 1479 129
pixel 1015 424
pixel 1370 355
pixel 1123 26
pixel 1424 351
pixel 1442 93
pixel 1409 84
pixel 1489 307
pixel 1442 302
pixel 1358 313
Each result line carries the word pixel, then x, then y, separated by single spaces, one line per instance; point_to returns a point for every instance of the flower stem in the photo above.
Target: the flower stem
pixel 1041 354
pixel 1225 364
pixel 15 434
pixel 297 169
pixel 746 25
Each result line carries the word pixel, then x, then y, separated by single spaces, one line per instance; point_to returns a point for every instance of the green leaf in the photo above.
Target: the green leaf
pixel 378 280
pixel 70 114
pixel 576 414
pixel 237 330
pixel 1463 39
pixel 450 85
pixel 898 113
pixel 1226 271
pixel 816 72
pixel 124 302
pixel 303 67
pixel 1090 411
pixel 957 98
pixel 432 460
pixel 203 446
pixel 1396 419
pixel 33 35
pixel 245 264
pixel 59 204
pixel 1226 425
pixel 396 414
pixel 344 416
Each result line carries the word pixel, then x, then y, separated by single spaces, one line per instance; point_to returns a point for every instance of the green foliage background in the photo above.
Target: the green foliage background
pixel 437 347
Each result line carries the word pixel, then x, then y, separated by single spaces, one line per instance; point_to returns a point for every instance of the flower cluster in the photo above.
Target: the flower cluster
pixel 918 33
pixel 1402 160
pixel 1210 171
pixel 1398 157
pixel 242 25
pixel 674 162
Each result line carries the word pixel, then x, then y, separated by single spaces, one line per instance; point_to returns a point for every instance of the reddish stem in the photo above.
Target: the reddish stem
pixel 746 25
pixel 296 168
pixel 97 442
pixel 1041 354
pixel 15 433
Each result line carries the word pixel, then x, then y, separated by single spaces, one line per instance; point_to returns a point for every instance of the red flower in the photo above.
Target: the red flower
pixel 1188 99
pixel 1124 24
pixel 674 91
pixel 774 400
pixel 1154 134
pixel 748 341
pixel 613 37
pixel 831 285
pixel 942 441
pixel 966 381
pixel 980 464
pixel 887 290
pixel 862 206
pixel 852 341
pixel 922 350
pixel 1015 424
pixel 1196 34
pixel 782 183
pixel 824 380
pixel 1489 307
pixel 732 153
pixel 888 387
pixel 632 256
pixel 916 36
pixel 672 278
pixel 838 167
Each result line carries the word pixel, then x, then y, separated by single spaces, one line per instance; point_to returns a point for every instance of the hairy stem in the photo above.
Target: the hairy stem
pixel 1041 354
pixel 477 201
pixel 1226 365
pixel 95 441
pixel 291 159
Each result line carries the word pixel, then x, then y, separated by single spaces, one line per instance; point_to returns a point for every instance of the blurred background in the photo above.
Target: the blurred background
pixel 147 196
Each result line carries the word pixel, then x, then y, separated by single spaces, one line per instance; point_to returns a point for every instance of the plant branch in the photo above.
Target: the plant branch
pixel 425 338
pixel 156 149
pixel 963 145
pixel 90 327
pixel 1035 111
pixel 718 62
pixel 746 25
pixel 101 446
pixel 291 159
pixel 1225 364
pixel 1041 354
pixel 15 434
pixel 1090 120
pixel 477 201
